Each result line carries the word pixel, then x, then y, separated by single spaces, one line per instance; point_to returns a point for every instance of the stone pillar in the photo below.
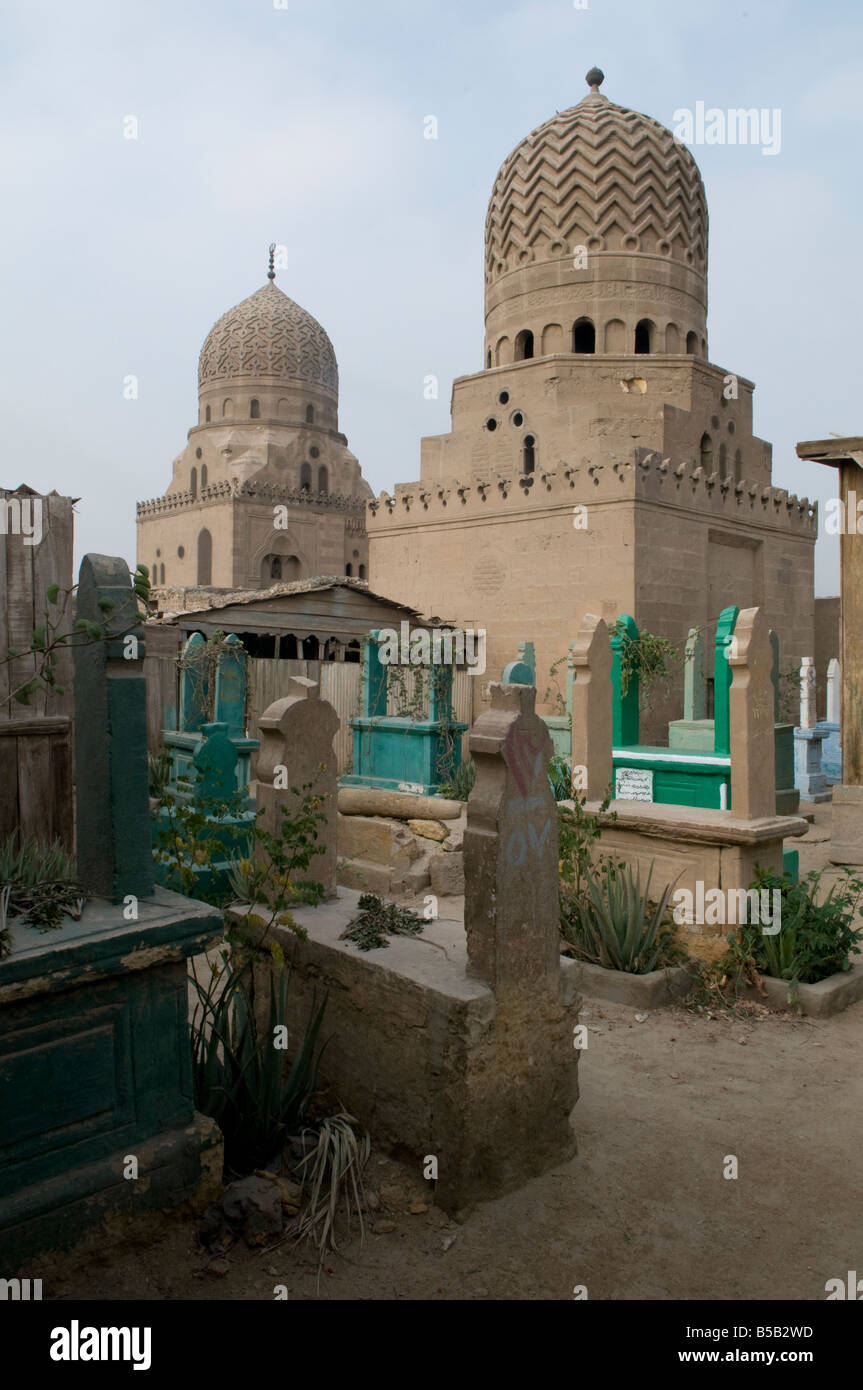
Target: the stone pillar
pixel 750 712
pixel 694 677
pixel 808 777
pixel 230 702
pixel 297 750
pixel 624 706
pixel 510 849
pixel 834 690
pixel 590 655
pixel 111 780
pixel 193 687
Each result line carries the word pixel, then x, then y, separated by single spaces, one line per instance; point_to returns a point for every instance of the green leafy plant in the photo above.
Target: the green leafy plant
pixel 241 1075
pixel 817 937
pixel 461 783
pixel 652 659
pixel 560 778
pixel 577 830
pixel 334 1169
pixel 378 920
pixel 38 883
pixel 615 924
pixel 49 636
pixel 789 695
pixel 159 770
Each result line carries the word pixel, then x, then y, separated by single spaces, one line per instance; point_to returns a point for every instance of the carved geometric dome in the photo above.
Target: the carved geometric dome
pixel 268 336
pixel 600 176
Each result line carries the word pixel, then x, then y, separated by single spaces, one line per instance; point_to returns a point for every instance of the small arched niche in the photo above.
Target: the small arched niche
pixel 615 336
pixel 524 345
pixel 706 450
pixel 207 415
pixel 203 476
pixel 361 573
pixel 552 339
pixel 584 336
pixel 205 557
pixel 193 482
pixel 323 479
pixel 692 344
pixel 738 466
pixel 305 477
pixel 310 414
pixel 228 409
pixel 672 338
pixel 723 461
pixel 254 409
pixel 349 571
pixel 502 352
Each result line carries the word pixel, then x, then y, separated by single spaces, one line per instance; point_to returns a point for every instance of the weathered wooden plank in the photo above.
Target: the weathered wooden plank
pixel 49 724
pixel 35 789
pixel 8 786
pixel 61 803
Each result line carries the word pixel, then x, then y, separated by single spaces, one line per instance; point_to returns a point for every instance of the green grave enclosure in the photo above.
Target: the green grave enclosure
pixel 402 754
pixel 228 692
pixel 96 1089
pixel 212 784
pixel 695 768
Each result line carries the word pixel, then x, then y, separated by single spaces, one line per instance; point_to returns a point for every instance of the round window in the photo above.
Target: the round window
pixel 518 419
pixel 181 550
pixel 315 451
pixel 503 397
pixel 197 453
pixel 491 424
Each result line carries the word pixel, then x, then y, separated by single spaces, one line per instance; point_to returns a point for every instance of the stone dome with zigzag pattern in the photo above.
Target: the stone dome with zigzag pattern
pixel 600 176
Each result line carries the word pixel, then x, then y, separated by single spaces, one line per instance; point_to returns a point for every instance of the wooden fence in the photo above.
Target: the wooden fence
pixel 269 680
pixel 36 786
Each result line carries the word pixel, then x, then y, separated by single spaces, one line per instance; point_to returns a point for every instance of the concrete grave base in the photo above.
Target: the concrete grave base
pixel 430 1061
pixel 846 846
pixel 649 991
pixel 827 997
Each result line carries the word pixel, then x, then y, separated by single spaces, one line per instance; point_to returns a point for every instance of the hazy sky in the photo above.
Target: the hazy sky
pixel 304 126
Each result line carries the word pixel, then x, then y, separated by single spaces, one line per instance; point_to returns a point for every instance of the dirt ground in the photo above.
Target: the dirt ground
pixel 643 1211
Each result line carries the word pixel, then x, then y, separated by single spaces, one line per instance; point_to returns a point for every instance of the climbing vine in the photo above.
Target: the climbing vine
pixel 202 662
pixel 653 660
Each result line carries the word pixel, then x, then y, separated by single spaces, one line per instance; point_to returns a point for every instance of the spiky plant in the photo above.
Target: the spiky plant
pixel 615 924
pixel 334 1169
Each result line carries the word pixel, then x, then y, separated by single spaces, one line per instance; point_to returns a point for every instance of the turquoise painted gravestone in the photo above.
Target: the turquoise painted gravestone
pixel 95 1063
pixel 400 754
pixel 229 708
pixel 213 784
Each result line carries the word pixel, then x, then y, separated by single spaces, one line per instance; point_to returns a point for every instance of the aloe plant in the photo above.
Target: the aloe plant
pixel 614 922
pixel 241 1077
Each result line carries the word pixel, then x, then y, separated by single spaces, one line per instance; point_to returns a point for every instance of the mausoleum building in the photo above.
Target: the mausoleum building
pixel 599 462
pixel 266 489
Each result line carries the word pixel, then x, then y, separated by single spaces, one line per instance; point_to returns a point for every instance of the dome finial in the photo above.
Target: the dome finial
pixel 595 79
pixel 271 274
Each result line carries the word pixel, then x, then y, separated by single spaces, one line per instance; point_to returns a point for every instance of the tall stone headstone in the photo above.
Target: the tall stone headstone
pixel 590 656
pixel 750 709
pixel 834 691
pixel 297 752
pixel 111 774
pixel 193 685
pixel 510 849
pixel 725 631
pixel 230 702
pixel 694 677
pixel 808 712
pixel 624 702
pixel 373 697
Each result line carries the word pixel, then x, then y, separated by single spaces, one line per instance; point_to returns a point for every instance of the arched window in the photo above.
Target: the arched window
pixel 311 648
pixel 738 466
pixel 205 557
pixel 310 414
pixel 528 454
pixel 524 345
pixel 207 415
pixel 275 566
pixel 692 344
pixel 193 482
pixel 254 410
pixel 723 461
pixel 162 579
pixel 707 453
pixel 672 338
pixel 228 409
pixel 323 480
pixel 305 477
pixel 583 336
pixel 362 573
pixel 349 569
pixel 488 358
pixel 642 336
pixel 203 475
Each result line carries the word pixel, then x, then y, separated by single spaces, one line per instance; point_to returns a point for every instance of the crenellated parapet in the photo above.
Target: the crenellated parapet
pixel 254 491
pixel 646 476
